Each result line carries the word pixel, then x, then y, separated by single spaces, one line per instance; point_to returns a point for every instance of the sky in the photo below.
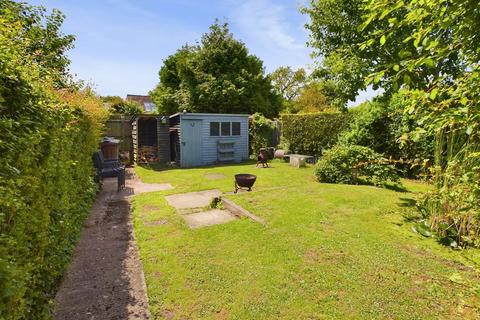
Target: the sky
pixel 121 44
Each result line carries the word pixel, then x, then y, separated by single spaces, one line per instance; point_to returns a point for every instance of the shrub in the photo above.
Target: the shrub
pixel 353 164
pixel 261 133
pixel 47 137
pixel 384 126
pixel 452 210
pixel 311 133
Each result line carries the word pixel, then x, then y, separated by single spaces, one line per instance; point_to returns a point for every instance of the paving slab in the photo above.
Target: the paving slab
pixel 192 199
pixel 208 218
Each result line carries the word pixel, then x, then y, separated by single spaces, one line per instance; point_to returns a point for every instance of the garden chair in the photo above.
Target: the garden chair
pixel 109 168
pixel 262 158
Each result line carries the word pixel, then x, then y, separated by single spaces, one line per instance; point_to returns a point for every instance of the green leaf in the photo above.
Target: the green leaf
pixel 469 130
pixel 379 77
pixel 396 67
pixel 383 39
pixel 464 101
pixel 429 62
pixel 367 22
pixel 433 93
pixel 422 229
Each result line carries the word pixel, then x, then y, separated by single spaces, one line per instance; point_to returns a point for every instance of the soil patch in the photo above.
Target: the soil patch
pixel 156 222
pixel 150 208
pixel 214 176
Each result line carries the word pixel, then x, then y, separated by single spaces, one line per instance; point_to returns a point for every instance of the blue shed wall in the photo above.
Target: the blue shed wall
pixel 209 145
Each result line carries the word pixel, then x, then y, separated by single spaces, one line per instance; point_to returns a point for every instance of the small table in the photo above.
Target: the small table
pixel 298 160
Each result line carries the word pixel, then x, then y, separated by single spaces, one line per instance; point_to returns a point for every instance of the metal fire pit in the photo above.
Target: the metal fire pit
pixel 244 180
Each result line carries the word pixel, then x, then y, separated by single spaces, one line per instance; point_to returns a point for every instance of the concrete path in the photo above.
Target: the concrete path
pixel 105 279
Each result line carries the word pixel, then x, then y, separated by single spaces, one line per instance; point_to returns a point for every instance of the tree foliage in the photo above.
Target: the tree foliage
pixel 311 99
pixel 218 76
pixel 288 82
pixel 261 133
pixel 117 105
pixel 359 41
pixel 384 126
pixel 431 48
pixel 42 37
pixel 440 59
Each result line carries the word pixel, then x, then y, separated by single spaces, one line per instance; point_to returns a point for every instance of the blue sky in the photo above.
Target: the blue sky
pixel 120 44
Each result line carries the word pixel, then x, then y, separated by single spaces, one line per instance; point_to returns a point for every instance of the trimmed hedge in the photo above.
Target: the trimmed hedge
pixel 46 142
pixel 311 133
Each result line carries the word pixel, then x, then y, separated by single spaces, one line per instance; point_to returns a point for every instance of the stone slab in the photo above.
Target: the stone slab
pixel 208 218
pixel 191 200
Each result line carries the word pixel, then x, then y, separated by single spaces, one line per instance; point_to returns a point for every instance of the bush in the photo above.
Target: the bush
pixel 384 126
pixel 353 164
pixel 452 210
pixel 261 133
pixel 311 133
pixel 47 137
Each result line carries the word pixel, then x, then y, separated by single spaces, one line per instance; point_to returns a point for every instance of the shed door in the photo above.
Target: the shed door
pixel 191 134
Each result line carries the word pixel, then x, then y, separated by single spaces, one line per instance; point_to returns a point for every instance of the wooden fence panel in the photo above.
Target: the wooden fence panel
pixel 120 127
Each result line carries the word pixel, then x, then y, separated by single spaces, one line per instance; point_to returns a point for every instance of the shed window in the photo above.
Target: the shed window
pixel 214 129
pixel 235 128
pixel 225 128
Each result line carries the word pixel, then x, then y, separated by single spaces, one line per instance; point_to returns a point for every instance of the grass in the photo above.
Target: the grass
pixel 328 251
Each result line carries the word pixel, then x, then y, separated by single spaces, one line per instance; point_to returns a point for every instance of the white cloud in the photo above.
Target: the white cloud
pixel 266 21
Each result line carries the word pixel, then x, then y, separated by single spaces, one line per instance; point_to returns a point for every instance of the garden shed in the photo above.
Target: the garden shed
pixel 150 137
pixel 199 139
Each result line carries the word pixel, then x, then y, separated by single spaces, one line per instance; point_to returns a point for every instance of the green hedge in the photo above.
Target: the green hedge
pixel 311 133
pixel 47 138
pixel 261 133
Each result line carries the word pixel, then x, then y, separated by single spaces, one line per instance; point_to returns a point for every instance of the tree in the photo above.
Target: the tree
pixel 311 99
pixel 218 76
pixel 288 82
pixel 341 33
pixel 43 38
pixel 441 60
pixel 126 107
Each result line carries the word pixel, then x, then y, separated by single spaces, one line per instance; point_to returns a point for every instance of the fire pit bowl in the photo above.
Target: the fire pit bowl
pixel 244 180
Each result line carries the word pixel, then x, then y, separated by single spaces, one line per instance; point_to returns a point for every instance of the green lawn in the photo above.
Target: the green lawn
pixel 328 251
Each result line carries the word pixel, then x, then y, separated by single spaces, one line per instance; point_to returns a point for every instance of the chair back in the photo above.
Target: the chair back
pixel 97 158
